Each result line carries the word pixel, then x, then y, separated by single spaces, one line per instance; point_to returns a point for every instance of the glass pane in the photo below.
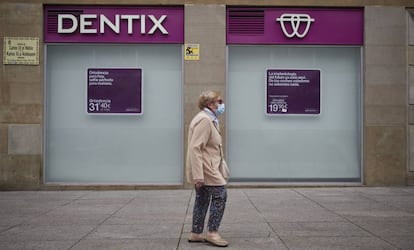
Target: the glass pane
pixel 114 148
pixel 294 147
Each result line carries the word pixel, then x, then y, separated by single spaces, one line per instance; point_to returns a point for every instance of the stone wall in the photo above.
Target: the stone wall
pixel 204 25
pixel 385 96
pixel 21 102
pixel 410 47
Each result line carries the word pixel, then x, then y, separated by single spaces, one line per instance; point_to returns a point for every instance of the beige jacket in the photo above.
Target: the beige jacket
pixel 205 159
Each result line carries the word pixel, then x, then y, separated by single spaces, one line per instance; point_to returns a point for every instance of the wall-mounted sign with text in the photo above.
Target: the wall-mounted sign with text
pixel 292 91
pixel 114 91
pixel 114 24
pixel 191 52
pixel 21 50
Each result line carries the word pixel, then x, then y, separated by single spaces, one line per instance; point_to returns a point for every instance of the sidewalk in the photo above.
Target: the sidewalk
pixel 272 218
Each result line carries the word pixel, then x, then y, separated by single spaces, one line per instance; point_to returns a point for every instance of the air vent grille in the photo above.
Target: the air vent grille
pixel 246 21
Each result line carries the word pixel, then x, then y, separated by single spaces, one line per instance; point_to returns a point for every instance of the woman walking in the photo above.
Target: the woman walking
pixel 207 169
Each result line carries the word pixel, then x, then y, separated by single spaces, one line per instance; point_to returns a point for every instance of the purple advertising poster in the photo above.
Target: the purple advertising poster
pixel 114 91
pixel 292 91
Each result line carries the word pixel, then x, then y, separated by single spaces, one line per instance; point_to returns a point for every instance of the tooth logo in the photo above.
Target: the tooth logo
pixel 295 21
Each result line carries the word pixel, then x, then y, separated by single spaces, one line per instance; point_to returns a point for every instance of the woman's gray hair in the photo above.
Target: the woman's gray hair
pixel 206 98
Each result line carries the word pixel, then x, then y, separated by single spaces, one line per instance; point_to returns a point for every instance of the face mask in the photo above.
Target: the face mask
pixel 220 109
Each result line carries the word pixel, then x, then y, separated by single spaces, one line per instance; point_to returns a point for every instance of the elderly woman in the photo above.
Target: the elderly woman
pixel 206 169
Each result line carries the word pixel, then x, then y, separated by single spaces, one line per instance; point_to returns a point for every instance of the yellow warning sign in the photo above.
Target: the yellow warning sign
pixel 192 52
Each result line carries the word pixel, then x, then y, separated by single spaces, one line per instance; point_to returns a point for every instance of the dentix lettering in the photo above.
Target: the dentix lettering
pixel 86 21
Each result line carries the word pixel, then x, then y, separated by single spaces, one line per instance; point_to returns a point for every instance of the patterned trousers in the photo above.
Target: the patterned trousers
pixel 218 197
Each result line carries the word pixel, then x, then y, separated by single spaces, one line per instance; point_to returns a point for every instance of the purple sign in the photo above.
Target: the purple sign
pixel 114 91
pixel 292 91
pixel 113 24
pixel 299 26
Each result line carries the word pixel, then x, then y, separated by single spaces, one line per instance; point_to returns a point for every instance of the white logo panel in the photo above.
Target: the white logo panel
pixel 295 21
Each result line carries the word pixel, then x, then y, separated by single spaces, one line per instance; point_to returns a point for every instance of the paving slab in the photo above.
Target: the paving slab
pixel 86 207
pixel 137 231
pixel 126 244
pixel 336 243
pixel 45 233
pixel 119 196
pixel 387 228
pixel 319 229
pixel 248 243
pixel 10 220
pixel 36 245
pixel 402 242
pixel 143 219
pixel 301 214
pixel 28 207
pixel 42 195
pixel 51 219
pixel 240 230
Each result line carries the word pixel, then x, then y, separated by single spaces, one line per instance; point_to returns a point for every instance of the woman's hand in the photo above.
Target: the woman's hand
pixel 199 184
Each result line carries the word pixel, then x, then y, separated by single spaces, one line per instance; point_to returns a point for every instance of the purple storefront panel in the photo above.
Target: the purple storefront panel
pixel 113 24
pixel 297 26
pixel 114 91
pixel 292 91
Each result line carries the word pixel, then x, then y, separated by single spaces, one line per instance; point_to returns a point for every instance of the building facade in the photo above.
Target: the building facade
pixel 99 94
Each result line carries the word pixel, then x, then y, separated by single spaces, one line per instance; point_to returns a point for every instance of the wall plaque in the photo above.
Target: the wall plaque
pixel 21 50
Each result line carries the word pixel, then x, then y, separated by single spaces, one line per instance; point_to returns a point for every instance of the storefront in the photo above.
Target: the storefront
pixel 113 112
pixel 100 95
pixel 294 94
